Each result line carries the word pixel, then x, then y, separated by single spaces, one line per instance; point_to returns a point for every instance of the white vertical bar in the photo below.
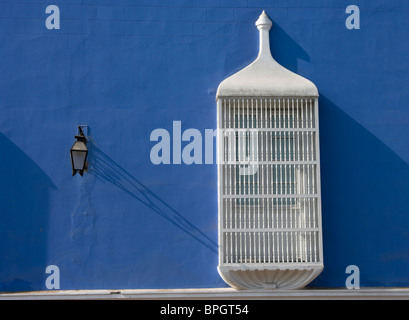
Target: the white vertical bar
pixel 231 159
pixel 275 186
pixel 279 125
pixel 290 169
pixel 315 246
pixel 252 154
pixel 225 172
pixel 302 133
pixel 281 175
pixel 310 134
pixel 245 116
pixel 263 132
pixel 219 142
pixel 282 246
pixel 279 141
pixel 294 172
pixel 242 181
pixel 293 190
pixel 233 162
pixel 318 182
pixel 248 214
pixel 315 192
pixel 296 245
pixel 245 177
pixel 270 116
pixel 236 212
pixel 245 246
pixel 307 200
pixel 275 175
pixel 286 102
pixel 274 218
pixel 273 247
pixel 298 135
pixel 256 178
pixel 228 134
pixel 313 158
pixel 306 113
pixel 259 172
pixel 236 185
pixel 224 259
pixel 275 113
pixel 302 184
pixel 235 158
pixel 269 179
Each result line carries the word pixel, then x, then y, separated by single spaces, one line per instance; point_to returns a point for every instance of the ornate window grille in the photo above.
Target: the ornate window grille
pixel 268 175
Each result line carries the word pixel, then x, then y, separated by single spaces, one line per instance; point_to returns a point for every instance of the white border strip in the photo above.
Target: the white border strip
pixel 213 294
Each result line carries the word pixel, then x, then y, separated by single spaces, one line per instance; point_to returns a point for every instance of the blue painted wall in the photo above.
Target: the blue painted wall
pixel 127 67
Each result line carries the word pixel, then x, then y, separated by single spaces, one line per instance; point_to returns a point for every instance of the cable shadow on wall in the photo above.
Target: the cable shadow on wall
pixel 107 170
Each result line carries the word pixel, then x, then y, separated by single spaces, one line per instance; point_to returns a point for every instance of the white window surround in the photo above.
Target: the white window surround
pixel 270 213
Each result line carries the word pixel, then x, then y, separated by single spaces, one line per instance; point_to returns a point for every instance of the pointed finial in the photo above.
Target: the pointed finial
pixel 264 25
pixel 264 22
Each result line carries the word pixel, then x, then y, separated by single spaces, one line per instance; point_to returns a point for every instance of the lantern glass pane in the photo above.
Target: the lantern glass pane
pixel 79 154
pixel 78 159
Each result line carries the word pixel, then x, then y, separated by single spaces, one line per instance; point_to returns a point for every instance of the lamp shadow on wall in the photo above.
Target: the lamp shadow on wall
pixel 365 207
pixel 24 196
pixel 107 170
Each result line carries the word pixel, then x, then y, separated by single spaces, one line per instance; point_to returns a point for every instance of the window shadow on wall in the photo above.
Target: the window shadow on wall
pixel 107 170
pixel 365 207
pixel 285 50
pixel 24 194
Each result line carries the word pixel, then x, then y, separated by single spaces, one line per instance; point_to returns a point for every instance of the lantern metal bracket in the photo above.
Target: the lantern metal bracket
pixel 83 130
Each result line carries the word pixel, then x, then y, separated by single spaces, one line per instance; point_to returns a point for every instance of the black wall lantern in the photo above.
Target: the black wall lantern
pixel 79 153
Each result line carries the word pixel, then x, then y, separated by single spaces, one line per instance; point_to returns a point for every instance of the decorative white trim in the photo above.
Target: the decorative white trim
pixel 269 245
pixel 265 249
pixel 265 76
pixel 214 294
